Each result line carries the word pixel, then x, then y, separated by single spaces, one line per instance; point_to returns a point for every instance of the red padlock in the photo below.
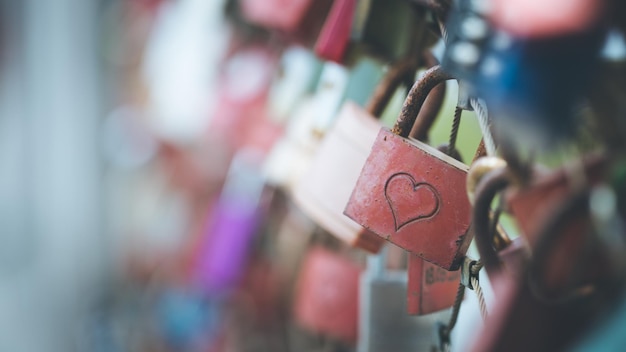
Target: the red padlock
pixel 430 288
pixel 412 194
pixel 327 295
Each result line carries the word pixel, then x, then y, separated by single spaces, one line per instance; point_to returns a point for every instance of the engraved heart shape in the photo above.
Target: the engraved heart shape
pixel 410 201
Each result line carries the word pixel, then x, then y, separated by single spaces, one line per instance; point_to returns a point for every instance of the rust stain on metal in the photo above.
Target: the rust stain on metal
pixel 416 98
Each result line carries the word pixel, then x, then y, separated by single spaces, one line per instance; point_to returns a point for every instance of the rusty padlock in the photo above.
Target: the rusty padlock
pixel 327 294
pixel 412 194
pixel 324 190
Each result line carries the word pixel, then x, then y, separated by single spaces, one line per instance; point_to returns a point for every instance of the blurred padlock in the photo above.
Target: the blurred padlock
pixel 324 190
pixel 327 294
pixel 513 322
pixel 412 194
pixel 223 253
pixel 383 322
pixel 334 38
pixel 431 288
pixel 240 107
pixel 294 79
pixel 292 154
pixel 534 208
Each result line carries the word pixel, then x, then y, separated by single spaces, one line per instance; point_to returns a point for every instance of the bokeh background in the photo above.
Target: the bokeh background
pixel 130 130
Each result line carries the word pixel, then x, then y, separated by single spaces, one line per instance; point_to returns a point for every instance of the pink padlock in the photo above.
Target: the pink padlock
pixel 335 35
pixel 327 295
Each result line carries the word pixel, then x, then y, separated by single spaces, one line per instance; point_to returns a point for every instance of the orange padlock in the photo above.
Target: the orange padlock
pixel 412 194
pixel 327 295
pixel 325 189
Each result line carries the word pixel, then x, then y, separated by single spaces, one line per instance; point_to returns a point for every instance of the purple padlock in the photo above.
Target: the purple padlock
pixel 223 255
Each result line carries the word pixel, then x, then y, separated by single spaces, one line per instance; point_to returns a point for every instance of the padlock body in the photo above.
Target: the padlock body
pixel 327 293
pixel 414 196
pixel 324 190
pixel 430 288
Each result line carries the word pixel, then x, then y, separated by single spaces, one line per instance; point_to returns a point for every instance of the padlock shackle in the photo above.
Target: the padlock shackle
pixel 399 73
pixel 428 113
pixel 489 186
pixel 432 105
pixel 415 100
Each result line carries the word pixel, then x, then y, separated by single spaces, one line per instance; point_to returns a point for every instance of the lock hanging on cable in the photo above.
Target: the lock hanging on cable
pixel 412 194
pixel 324 190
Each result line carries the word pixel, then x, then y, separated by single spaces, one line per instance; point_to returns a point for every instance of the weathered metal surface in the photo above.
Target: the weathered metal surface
pixel 414 196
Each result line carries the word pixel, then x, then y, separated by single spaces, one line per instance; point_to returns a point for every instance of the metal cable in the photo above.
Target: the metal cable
pixel 444 32
pixel 456 122
pixel 482 113
pixel 480 296
pixel 460 294
pixel 474 272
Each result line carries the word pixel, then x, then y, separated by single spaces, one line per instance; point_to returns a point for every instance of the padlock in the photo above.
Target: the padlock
pixel 335 34
pixel 240 107
pixel 327 294
pixel 512 324
pixel 223 253
pixel 535 207
pixel 293 80
pixel 292 154
pixel 412 194
pixel 431 288
pixel 323 192
pixel 383 322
